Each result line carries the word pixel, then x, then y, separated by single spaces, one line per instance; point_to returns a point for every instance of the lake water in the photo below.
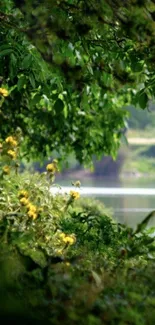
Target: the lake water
pixel 130 200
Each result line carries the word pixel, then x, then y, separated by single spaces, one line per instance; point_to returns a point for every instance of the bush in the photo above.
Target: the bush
pixel 64 259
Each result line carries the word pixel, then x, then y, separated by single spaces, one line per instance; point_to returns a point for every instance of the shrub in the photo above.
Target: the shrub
pixel 64 259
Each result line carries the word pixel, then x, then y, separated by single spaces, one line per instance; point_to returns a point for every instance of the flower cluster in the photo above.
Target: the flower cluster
pixel 67 239
pixel 32 210
pixel 23 193
pixel 12 154
pixel 24 201
pixel 74 195
pixel 11 141
pixel 4 92
pixel 6 170
pixel 9 148
pixel 52 168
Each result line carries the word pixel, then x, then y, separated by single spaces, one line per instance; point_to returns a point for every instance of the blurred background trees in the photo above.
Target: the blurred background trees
pixel 71 69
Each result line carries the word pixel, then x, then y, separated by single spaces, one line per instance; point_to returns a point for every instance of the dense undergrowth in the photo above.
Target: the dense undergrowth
pixel 64 260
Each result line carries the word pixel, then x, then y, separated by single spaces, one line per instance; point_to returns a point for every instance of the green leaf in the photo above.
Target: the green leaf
pixel 65 111
pixel 54 96
pixel 137 67
pixel 5 52
pixel 97 279
pixel 142 99
pixel 36 99
pixel 27 61
pixel 58 106
pixel 13 65
pixel 21 82
pixel 32 80
pixel 144 223
pixel 37 256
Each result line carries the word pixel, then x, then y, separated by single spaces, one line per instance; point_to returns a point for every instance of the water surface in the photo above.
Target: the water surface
pixel 130 199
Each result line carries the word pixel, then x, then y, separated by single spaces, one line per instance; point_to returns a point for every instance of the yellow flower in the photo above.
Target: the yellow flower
pixel 51 168
pixel 32 214
pixel 23 193
pixel 62 235
pixel 12 154
pixel 6 170
pixel 11 141
pixel 69 240
pixel 74 195
pixel 67 264
pixel 4 92
pixel 47 238
pixel 32 207
pixel 59 251
pixel 24 201
pixel 77 184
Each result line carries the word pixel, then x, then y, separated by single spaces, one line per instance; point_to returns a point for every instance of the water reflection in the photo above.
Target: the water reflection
pixel 131 208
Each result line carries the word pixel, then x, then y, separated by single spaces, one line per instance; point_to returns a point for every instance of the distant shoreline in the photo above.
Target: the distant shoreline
pixel 141 141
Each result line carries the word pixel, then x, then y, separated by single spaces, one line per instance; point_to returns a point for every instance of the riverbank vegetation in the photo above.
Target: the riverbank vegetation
pixel 64 259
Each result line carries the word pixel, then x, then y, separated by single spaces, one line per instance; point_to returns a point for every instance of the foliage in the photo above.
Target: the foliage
pixel 64 258
pixel 70 67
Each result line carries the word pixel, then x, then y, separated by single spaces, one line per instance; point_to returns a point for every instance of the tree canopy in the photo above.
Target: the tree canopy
pixel 71 67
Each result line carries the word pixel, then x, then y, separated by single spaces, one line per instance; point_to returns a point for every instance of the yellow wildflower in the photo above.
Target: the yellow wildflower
pixel 6 170
pixel 24 201
pixel 32 207
pixel 69 240
pixel 12 154
pixel 47 238
pixel 4 92
pixel 11 141
pixel 32 214
pixel 67 264
pixel 51 168
pixel 74 195
pixel 62 235
pixel 23 193
pixel 77 183
pixel 59 251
